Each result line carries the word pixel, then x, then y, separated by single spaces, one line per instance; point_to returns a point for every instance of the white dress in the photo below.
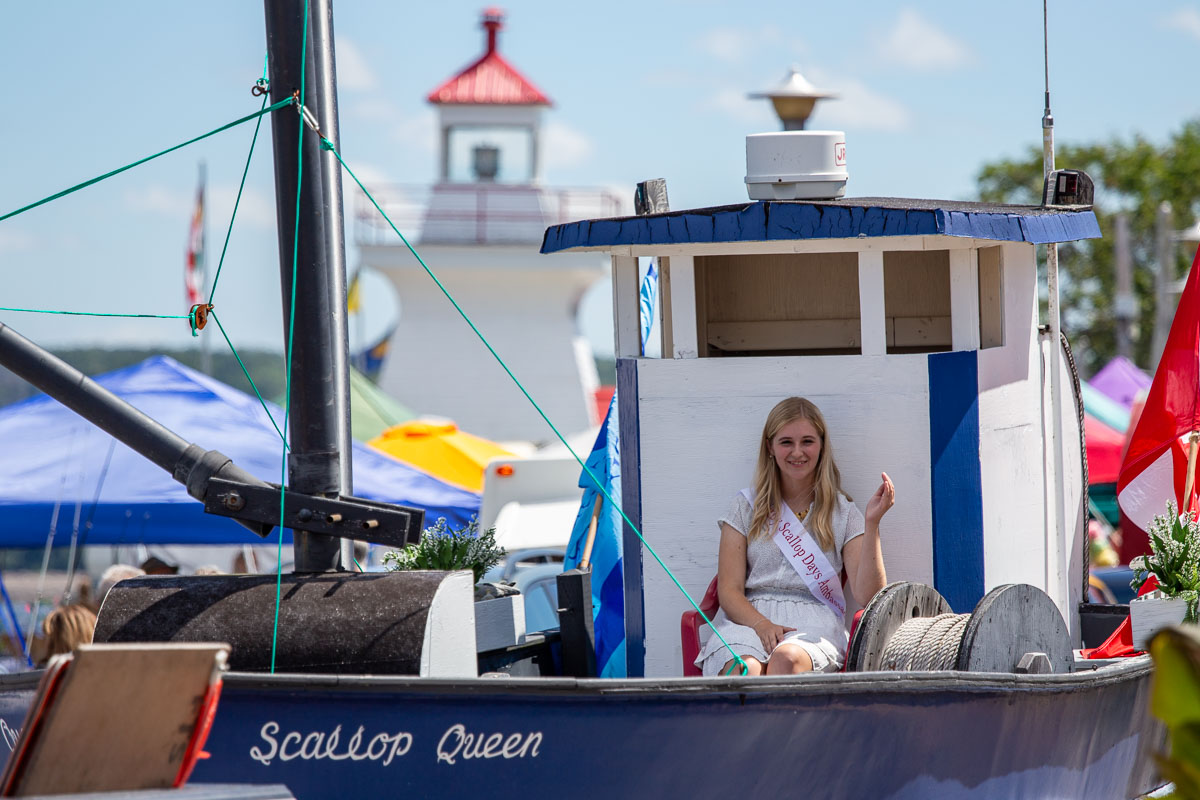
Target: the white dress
pixel 777 591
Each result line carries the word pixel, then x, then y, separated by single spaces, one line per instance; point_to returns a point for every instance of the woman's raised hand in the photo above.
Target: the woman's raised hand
pixel 770 634
pixel 883 499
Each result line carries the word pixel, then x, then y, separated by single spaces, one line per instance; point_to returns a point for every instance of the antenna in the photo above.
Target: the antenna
pixel 1047 117
pixel 1057 559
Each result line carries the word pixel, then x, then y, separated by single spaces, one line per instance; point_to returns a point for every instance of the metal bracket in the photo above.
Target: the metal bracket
pixel 344 516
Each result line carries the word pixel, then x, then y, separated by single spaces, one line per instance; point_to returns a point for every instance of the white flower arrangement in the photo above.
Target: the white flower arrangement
pixel 1175 558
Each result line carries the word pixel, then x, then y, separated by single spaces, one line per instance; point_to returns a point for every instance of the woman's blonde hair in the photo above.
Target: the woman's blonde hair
pixel 768 494
pixel 67 627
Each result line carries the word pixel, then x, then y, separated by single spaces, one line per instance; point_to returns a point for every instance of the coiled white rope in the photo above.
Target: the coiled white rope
pixel 925 643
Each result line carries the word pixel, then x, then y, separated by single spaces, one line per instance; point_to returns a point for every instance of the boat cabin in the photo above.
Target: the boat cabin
pixel 912 324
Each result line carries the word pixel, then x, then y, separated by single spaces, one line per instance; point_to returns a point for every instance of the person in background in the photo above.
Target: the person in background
pixel 111 577
pixel 208 569
pixel 64 629
pixel 156 566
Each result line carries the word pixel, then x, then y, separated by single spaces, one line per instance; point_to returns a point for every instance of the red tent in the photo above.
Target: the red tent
pixel 1104 445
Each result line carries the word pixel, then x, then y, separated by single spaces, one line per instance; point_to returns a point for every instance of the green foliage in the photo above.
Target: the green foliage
pixel 1176 701
pixel 1131 176
pixel 1175 560
pixel 442 548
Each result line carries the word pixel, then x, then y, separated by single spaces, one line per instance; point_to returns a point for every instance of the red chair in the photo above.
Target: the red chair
pixel 689 628
pixel 690 622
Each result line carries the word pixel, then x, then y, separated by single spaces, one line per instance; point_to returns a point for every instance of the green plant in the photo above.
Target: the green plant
pixel 1175 700
pixel 443 548
pixel 1175 558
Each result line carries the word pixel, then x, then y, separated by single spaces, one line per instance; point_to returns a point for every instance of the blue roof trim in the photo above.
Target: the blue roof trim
pixel 764 221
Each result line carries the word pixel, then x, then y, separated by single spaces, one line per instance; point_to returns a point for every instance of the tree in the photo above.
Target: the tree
pixel 1134 177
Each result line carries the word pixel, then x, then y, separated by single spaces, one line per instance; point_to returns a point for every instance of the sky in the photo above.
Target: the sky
pixel 929 92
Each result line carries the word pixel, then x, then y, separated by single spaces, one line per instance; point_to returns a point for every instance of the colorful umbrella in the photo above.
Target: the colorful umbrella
pixel 439 448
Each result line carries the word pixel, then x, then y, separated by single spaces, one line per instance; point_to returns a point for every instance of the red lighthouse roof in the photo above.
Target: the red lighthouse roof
pixel 490 80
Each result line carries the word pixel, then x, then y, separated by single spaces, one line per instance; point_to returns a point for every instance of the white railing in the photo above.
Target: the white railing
pixel 475 213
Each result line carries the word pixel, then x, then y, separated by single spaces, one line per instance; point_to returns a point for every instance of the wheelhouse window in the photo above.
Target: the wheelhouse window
pixel 778 304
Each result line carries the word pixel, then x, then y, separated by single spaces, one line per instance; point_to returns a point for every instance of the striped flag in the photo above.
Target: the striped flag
pixel 608 587
pixel 193 270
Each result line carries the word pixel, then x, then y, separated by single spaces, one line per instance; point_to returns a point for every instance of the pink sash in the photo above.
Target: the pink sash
pixel 807 558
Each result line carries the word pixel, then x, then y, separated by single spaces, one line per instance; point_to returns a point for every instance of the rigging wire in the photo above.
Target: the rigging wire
pixel 141 161
pixel 237 202
pixel 87 525
pixel 12 614
pixel 41 586
pixel 95 313
pixel 253 386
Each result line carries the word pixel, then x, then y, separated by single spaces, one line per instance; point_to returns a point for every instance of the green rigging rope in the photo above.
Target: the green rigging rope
pixel 119 170
pixel 236 203
pixel 246 372
pixel 287 381
pixel 328 145
pixel 96 313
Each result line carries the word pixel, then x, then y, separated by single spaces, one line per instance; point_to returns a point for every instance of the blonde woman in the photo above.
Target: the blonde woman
pixel 784 542
pixel 64 629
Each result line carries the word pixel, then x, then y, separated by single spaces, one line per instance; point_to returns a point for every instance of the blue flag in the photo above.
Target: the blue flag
pixel 608 589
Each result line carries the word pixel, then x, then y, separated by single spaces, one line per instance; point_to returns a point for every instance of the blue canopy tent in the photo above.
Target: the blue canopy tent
pixel 56 465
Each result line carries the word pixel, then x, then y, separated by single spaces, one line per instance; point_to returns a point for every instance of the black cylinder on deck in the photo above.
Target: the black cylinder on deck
pixel 328 623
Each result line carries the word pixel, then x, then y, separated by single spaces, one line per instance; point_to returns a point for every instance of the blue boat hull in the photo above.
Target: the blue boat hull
pixel 869 735
pixel 882 735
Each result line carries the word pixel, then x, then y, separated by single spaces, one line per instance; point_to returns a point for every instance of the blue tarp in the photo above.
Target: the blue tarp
pixel 54 458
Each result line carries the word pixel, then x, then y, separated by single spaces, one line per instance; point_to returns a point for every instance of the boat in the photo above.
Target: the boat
pixel 915 329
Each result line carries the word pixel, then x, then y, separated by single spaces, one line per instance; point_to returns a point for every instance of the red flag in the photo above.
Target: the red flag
pixel 193 270
pixel 1155 466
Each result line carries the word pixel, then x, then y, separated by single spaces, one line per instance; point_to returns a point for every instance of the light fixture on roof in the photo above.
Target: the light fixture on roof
pixel 795 164
pixel 794 100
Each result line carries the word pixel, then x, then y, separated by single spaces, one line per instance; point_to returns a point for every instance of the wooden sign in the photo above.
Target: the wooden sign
pixel 122 716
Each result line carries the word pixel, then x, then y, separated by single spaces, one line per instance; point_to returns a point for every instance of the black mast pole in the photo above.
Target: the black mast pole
pixel 321 22
pixel 317 410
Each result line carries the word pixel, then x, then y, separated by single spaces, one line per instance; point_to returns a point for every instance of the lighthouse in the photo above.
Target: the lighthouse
pixel 479 227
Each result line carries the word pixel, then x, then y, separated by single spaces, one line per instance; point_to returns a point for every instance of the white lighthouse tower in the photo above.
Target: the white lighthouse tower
pixel 480 228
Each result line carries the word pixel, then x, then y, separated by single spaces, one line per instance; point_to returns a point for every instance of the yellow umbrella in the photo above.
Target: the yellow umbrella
pixel 440 449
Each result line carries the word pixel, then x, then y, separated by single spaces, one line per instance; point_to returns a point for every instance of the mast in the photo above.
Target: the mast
pixel 319 403
pixel 1060 557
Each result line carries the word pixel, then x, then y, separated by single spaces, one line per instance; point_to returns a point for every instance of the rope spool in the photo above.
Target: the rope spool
pixel 889 610
pixel 926 643
pixel 910 627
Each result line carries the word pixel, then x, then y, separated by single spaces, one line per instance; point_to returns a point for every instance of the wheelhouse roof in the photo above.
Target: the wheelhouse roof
pixel 847 218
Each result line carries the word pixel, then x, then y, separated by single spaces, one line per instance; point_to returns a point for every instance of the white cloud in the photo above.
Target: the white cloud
pixel 416 131
pixel 1185 20
pixel 411 131
pixel 370 175
pixel 161 200
pixel 733 45
pixel 859 107
pixel 353 72
pixel 915 42
pixel 255 210
pixel 668 79
pixel 735 104
pixel 563 146
pixel 15 241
